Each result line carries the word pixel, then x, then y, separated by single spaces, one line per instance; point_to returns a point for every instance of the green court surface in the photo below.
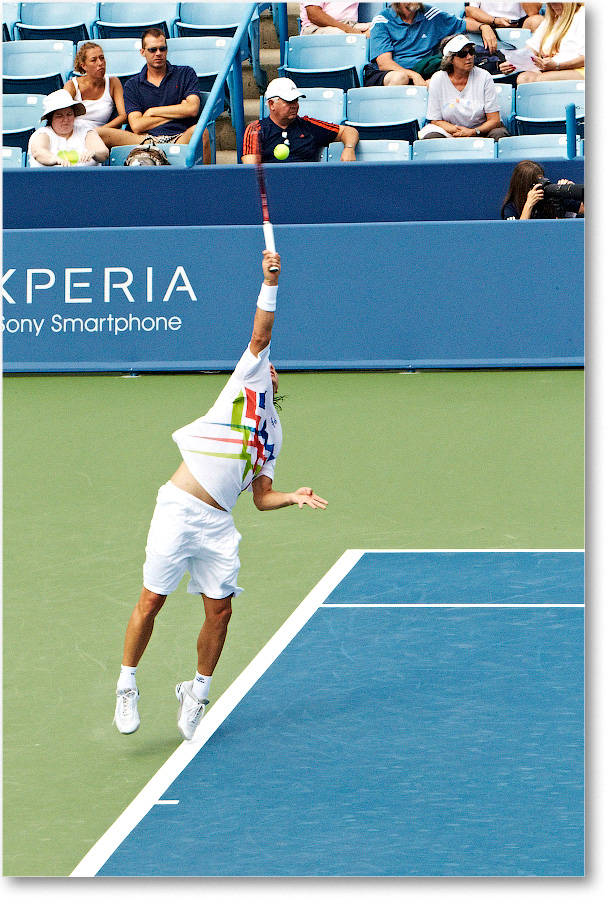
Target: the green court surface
pixel 479 460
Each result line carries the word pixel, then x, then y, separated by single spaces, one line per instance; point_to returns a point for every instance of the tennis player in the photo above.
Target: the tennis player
pixel 232 448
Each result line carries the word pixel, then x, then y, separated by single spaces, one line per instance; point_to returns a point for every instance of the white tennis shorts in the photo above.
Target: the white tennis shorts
pixel 187 535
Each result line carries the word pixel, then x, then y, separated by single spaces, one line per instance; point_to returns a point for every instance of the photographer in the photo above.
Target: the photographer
pixel 531 196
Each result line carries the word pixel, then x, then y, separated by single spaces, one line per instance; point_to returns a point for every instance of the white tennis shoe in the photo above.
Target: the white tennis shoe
pixel 126 715
pixel 191 710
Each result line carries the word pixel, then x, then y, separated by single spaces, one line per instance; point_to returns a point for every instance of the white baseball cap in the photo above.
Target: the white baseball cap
pixel 457 43
pixel 61 100
pixel 284 88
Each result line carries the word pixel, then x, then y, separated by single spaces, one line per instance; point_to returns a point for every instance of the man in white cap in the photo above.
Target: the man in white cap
pixel 284 136
pixel 64 139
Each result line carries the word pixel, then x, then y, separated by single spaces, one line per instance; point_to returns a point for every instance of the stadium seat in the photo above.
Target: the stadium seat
pixel 395 112
pixel 222 20
pixel 326 104
pixel 123 57
pixel 20 117
pixel 506 97
pixel 367 11
pixel 373 151
pixel 453 149
pixel 13 158
pixel 534 146
pixel 325 60
pixel 10 14
pixel 454 9
pixel 515 37
pixel 540 107
pixel 206 56
pixel 175 153
pixel 116 20
pixel 36 67
pixel 55 21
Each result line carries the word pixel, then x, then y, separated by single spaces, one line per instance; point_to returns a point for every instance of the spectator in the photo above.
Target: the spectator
pixel 100 93
pixel 284 136
pixel 558 44
pixel 505 14
pixel 332 18
pixel 525 193
pixel 404 39
pixel 65 139
pixel 462 97
pixel 162 102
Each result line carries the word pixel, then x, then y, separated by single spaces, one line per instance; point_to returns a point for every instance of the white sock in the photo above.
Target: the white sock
pixel 200 686
pixel 126 682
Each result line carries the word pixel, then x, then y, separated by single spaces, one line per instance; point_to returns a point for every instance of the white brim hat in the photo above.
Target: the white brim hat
pixel 457 43
pixel 284 88
pixel 61 100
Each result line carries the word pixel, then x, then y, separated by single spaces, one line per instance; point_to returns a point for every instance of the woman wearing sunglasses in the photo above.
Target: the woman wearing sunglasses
pixel 462 97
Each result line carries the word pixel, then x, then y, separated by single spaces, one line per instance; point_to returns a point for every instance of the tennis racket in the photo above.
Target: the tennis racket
pixel 266 223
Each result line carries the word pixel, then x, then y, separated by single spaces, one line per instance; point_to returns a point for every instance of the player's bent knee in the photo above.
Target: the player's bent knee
pixel 151 603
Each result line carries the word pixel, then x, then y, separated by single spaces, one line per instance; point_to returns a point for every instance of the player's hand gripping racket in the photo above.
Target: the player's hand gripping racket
pixel 266 223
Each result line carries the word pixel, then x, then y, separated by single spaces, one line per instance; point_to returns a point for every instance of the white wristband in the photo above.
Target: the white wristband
pixel 268 297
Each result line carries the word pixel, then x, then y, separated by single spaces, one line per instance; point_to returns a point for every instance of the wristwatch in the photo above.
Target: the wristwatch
pixel 478 132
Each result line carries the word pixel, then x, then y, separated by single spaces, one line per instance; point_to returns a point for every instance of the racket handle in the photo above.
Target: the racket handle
pixel 269 241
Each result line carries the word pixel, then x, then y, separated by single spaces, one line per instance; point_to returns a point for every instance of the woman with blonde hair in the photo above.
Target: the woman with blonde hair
pixel 558 44
pixel 101 94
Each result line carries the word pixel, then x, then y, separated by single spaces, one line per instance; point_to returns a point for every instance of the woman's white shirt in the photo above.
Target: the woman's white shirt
pixel 76 142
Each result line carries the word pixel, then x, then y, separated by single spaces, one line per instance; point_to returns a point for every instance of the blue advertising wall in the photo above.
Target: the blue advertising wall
pixel 366 295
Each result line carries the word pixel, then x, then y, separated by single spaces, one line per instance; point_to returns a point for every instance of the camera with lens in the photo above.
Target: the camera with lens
pixel 558 200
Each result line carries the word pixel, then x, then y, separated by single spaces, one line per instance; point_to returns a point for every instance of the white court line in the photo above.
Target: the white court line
pixel 185 753
pixel 454 605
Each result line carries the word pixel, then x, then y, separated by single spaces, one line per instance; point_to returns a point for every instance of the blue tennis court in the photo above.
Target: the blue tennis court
pixel 420 714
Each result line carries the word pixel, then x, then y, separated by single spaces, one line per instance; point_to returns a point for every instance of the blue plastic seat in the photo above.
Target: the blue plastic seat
pixel 132 18
pixel 206 56
pixel 55 21
pixel 175 153
pixel 326 104
pixel 515 37
pixel 36 67
pixel 373 151
pixel 123 57
pixel 534 146
pixel 325 60
pixel 13 158
pixel 20 117
pixel 506 97
pixel 454 9
pixel 540 106
pixel 10 15
pixel 222 20
pixel 395 112
pixel 456 149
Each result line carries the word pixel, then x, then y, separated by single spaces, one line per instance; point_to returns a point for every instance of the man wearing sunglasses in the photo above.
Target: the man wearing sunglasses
pixel 404 39
pixel 162 102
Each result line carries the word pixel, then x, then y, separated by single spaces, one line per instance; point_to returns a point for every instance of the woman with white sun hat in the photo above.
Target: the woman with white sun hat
pixel 64 140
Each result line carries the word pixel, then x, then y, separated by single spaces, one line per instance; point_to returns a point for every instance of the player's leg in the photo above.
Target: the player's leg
pixel 140 626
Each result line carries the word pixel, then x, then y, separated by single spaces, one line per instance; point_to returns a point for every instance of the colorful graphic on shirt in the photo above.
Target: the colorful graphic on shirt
pixel 248 417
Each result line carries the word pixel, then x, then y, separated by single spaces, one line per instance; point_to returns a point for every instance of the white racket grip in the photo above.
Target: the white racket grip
pixel 269 240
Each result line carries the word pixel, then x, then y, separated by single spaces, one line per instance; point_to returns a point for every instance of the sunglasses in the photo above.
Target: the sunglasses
pixel 155 49
pixel 463 53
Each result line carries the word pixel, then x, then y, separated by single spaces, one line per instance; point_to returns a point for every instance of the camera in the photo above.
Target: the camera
pixel 558 200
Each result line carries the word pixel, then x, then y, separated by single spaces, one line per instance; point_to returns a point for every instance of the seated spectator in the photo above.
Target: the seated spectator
pixel 332 18
pixel 285 137
pixel 558 44
pixel 65 139
pixel 526 193
pixel 100 93
pixel 404 39
pixel 162 102
pixel 506 15
pixel 462 97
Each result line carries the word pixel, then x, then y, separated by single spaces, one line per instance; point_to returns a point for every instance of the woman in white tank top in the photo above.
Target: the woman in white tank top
pixel 99 92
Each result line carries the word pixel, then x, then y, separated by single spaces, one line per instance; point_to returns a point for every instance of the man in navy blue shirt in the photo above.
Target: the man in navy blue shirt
pixel 162 102
pixel 284 136
pixel 404 41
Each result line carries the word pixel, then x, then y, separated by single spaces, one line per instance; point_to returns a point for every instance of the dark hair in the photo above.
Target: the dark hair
pixel 525 174
pixel 447 62
pixel 152 32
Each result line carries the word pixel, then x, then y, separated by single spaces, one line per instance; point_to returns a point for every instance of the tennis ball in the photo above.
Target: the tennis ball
pixel 281 151
pixel 72 156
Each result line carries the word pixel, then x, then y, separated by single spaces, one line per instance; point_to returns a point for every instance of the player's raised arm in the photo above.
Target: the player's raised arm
pixel 267 301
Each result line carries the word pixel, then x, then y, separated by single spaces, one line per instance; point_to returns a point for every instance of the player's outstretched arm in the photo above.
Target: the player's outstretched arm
pixel 265 497
pixel 267 301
